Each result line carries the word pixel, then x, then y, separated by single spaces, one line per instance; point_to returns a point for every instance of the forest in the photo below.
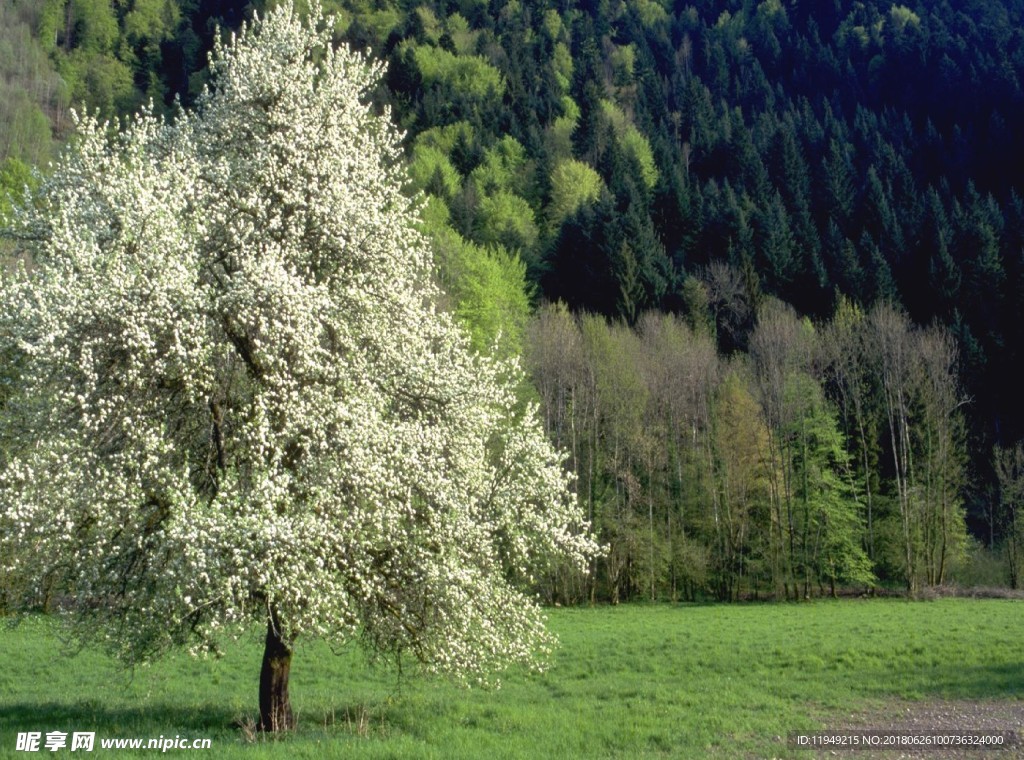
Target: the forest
pixel 761 260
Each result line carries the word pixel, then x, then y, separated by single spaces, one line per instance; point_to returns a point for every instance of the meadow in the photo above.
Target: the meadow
pixel 629 681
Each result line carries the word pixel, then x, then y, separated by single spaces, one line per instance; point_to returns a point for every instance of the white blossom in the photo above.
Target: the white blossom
pixel 234 391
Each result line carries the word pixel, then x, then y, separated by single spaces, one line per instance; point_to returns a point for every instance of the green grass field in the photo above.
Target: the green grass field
pixel 631 681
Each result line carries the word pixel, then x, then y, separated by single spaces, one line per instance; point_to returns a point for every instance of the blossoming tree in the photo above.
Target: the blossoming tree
pixel 234 400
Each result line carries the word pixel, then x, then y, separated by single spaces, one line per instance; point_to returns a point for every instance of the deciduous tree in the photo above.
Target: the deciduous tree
pixel 1009 466
pixel 236 401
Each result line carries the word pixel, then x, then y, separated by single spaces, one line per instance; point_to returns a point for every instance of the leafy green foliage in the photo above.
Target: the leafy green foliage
pixel 430 170
pixel 815 151
pixel 503 167
pixel 236 400
pixel 829 527
pixel 469 75
pixel 32 95
pixel 15 178
pixel 506 219
pixel 485 284
pixel 574 184
pixel 634 144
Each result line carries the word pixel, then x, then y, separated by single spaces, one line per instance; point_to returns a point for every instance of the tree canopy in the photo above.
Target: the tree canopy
pixel 235 398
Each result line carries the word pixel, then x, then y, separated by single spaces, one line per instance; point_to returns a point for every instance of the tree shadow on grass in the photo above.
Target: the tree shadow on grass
pixel 157 719
pixel 152 720
pixel 1005 681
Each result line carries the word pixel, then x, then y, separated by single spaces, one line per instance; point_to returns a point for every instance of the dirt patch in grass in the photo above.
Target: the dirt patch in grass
pixel 935 717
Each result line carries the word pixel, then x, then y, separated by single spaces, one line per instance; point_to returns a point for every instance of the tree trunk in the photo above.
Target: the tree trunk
pixel 275 707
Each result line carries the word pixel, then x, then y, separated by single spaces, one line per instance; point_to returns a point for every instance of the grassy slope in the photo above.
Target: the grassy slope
pixel 726 681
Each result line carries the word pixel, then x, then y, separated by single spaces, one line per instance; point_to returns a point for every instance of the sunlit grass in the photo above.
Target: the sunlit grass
pixel 632 681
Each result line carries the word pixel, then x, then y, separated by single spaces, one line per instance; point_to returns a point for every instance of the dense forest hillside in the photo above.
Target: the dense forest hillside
pixel 800 226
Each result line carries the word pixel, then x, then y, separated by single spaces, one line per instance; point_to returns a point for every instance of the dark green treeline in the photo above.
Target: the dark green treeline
pixel 699 159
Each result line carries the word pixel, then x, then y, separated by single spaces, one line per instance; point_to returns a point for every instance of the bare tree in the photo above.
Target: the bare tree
pixel 922 400
pixel 554 357
pixel 729 301
pixel 940 438
pixel 1009 466
pixel 781 346
pixel 890 335
pixel 680 370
